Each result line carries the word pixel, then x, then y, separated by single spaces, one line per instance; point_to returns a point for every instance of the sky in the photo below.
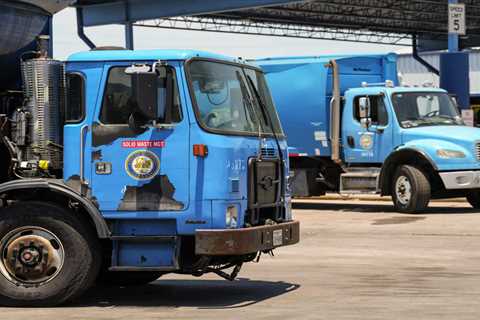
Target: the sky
pixel 67 42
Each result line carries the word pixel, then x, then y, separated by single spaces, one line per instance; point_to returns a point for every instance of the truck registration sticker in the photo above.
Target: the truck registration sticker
pixel 277 238
pixel 142 165
pixel 133 144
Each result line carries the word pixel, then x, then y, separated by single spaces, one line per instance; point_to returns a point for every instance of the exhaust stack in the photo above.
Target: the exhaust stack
pixel 335 113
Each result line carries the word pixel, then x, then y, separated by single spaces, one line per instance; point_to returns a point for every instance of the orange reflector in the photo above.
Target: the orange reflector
pixel 200 150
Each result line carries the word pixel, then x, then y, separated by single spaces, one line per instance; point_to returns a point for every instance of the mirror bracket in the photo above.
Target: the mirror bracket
pixel 366 123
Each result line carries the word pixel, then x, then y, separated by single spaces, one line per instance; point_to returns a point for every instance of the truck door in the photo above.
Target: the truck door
pixel 139 170
pixel 370 145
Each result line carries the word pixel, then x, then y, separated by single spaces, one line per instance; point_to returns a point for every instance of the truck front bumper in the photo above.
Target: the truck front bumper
pixel 246 240
pixel 461 179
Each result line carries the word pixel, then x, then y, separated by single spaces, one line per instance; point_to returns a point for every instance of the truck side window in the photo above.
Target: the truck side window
pixel 119 99
pixel 379 113
pixel 75 109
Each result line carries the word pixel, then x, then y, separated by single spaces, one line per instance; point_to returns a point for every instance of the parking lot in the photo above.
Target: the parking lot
pixel 356 260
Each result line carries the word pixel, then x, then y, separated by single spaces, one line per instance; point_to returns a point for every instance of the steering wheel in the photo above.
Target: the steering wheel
pixel 209 118
pixel 226 125
pixel 432 113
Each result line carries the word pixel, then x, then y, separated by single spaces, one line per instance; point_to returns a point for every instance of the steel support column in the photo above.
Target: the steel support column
pixel 129 40
pixel 453 37
pixel 455 70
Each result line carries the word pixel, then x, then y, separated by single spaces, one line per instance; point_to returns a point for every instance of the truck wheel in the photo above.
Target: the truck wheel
pixel 48 256
pixel 128 278
pixel 474 199
pixel 411 190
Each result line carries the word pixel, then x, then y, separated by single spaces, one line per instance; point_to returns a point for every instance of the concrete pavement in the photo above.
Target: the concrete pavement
pixel 356 260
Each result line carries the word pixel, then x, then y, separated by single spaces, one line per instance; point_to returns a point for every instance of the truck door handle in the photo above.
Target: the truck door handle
pixel 351 141
pixel 83 130
pixel 380 129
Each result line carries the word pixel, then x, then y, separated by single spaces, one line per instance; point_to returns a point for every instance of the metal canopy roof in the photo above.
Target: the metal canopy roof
pixel 376 21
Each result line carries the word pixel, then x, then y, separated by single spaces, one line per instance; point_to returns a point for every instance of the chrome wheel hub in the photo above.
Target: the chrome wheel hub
pixel 31 256
pixel 403 190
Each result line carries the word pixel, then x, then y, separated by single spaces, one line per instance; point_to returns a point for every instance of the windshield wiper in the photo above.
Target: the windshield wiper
pixel 266 113
pixel 261 104
pixel 247 103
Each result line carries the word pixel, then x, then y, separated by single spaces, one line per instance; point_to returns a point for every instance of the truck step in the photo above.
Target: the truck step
pixel 144 238
pixel 126 268
pixel 360 181
pixel 145 253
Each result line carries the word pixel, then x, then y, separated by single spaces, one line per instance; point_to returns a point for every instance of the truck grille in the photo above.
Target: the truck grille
pixel 265 191
pixel 477 150
pixel 268 152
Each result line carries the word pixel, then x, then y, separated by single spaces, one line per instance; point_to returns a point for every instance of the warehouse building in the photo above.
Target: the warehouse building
pixel 413 73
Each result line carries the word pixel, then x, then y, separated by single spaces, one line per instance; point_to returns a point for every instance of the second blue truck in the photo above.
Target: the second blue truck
pixel 351 128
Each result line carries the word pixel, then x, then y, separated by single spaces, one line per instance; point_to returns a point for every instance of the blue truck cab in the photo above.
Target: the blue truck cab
pixel 161 161
pixel 351 128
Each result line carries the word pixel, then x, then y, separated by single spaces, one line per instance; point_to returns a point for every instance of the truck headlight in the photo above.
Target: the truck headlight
pixel 231 217
pixel 448 154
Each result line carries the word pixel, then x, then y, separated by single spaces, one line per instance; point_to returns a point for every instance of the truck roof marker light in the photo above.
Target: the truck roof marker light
pixel 387 83
pixel 200 150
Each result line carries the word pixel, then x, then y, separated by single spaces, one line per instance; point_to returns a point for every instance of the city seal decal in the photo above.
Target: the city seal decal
pixel 366 141
pixel 142 165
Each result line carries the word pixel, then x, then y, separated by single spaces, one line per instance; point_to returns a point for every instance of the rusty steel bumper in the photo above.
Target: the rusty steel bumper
pixel 246 240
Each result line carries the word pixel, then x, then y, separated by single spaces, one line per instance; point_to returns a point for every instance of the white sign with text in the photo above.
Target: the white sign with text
pixel 457 19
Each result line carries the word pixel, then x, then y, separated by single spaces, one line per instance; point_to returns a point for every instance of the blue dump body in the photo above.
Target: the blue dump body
pixel 302 90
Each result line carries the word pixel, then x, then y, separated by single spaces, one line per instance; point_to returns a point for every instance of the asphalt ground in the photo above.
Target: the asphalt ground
pixel 356 260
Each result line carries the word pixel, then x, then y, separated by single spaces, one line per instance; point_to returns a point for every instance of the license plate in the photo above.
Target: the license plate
pixel 277 237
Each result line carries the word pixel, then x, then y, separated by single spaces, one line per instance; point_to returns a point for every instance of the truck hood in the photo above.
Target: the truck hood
pixel 456 134
pixel 430 139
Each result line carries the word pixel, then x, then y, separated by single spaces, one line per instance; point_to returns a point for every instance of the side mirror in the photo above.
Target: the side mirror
pixel 145 94
pixel 364 112
pixel 152 92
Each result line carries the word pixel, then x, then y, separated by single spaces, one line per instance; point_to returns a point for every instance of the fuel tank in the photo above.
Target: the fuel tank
pixel 21 22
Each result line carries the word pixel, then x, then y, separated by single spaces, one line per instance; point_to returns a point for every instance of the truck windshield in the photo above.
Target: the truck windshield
pixel 414 109
pixel 226 101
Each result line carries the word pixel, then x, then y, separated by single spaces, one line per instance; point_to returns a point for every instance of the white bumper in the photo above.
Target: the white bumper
pixel 461 179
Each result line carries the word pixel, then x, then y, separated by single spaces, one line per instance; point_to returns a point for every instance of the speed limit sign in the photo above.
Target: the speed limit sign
pixel 456 19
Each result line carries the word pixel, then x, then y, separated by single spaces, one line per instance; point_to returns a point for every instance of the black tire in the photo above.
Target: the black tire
pixel 420 190
pixel 474 199
pixel 128 278
pixel 81 259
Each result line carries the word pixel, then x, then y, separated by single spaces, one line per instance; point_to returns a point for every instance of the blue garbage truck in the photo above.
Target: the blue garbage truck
pixel 121 166
pixel 352 129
